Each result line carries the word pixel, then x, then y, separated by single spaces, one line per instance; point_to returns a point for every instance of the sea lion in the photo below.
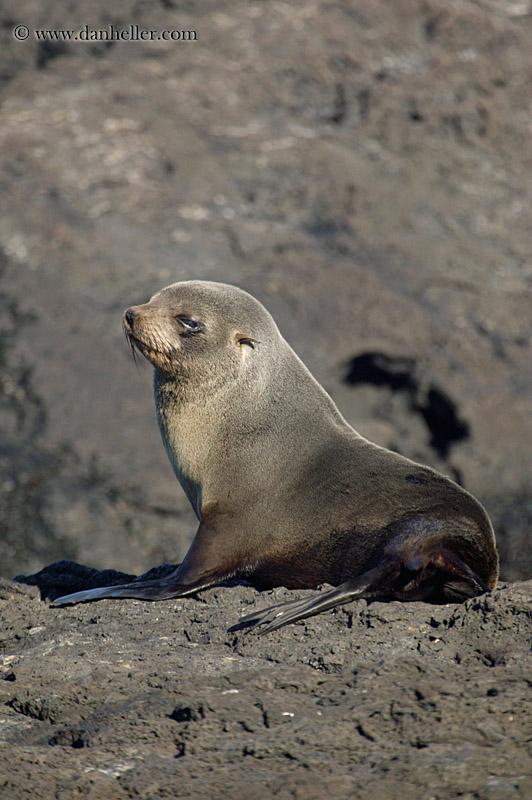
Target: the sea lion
pixel 287 493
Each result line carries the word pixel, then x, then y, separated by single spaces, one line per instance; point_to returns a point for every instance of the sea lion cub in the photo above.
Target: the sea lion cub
pixel 286 492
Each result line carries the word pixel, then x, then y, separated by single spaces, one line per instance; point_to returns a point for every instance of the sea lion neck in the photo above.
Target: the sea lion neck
pixel 211 435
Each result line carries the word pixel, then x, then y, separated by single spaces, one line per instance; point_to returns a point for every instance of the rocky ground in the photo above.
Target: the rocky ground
pixel 363 169
pixel 130 699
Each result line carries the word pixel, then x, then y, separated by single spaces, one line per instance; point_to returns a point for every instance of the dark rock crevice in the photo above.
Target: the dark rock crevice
pixel 402 374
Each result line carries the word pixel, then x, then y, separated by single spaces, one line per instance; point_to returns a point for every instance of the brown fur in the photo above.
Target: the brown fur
pixel 286 492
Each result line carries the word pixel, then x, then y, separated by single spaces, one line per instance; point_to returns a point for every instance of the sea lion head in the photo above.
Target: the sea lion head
pixel 201 333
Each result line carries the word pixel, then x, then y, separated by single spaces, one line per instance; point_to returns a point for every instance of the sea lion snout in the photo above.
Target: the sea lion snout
pixel 129 316
pixel 133 323
pixel 151 333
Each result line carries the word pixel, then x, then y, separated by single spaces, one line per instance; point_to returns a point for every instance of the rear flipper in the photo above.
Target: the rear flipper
pixel 439 576
pixel 367 585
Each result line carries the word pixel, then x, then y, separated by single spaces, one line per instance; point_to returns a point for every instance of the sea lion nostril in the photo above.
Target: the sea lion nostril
pixel 129 316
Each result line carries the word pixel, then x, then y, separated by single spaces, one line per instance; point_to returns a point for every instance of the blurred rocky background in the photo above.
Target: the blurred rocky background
pixel 364 169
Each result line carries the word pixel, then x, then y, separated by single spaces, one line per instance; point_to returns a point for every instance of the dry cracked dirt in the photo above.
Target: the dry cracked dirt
pixel 365 170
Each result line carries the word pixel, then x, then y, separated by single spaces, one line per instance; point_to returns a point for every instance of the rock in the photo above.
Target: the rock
pixel 144 695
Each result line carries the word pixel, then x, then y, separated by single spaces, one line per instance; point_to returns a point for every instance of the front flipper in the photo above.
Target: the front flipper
pixel 161 589
pixel 65 577
pixel 213 556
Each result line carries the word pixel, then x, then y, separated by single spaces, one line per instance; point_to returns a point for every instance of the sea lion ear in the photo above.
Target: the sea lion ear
pixel 247 340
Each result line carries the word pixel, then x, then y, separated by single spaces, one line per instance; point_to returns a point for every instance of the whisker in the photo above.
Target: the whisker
pixel 134 354
pixel 132 348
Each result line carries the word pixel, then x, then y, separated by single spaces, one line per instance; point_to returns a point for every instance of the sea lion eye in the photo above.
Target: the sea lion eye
pixel 249 342
pixel 188 323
